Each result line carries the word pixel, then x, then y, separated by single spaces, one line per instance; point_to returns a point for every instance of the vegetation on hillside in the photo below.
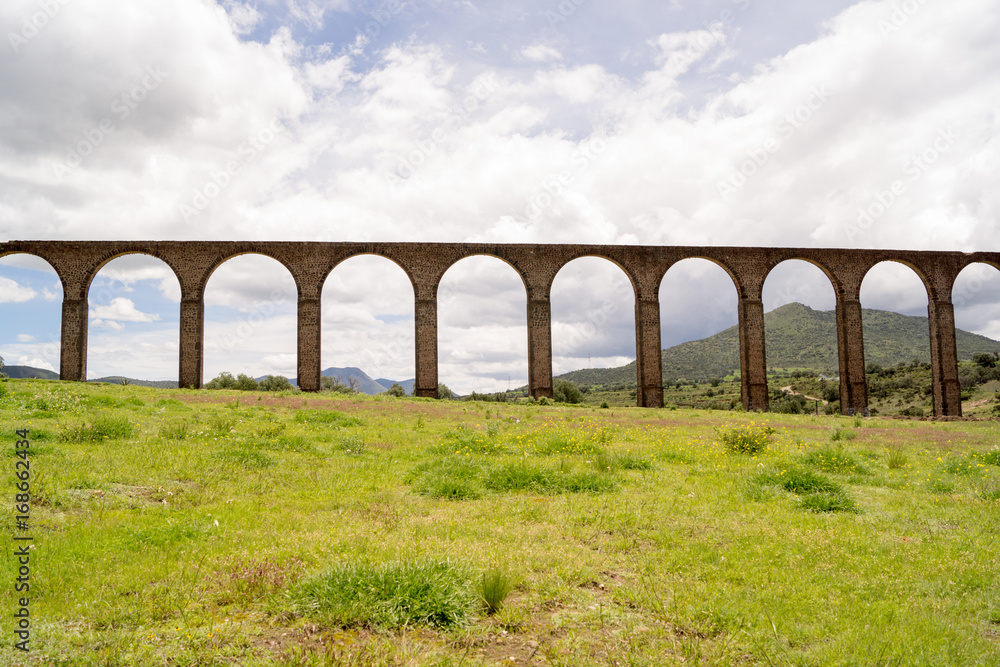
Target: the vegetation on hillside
pixel 261 528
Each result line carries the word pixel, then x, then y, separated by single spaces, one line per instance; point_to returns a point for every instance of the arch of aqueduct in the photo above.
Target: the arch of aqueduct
pixel 310 263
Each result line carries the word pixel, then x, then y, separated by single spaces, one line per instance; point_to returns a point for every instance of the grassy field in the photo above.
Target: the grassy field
pixel 228 528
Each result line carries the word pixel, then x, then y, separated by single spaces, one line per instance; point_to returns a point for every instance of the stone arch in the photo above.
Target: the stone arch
pixel 263 250
pixel 381 357
pixel 235 331
pixel 899 300
pixel 498 324
pixel 806 292
pixel 575 328
pixel 37 341
pixel 112 309
pixel 683 287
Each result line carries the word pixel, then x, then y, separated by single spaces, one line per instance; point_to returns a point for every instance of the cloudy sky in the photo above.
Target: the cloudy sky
pixel 727 122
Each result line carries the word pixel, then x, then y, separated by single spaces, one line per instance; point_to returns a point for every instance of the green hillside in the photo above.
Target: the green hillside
pixel 796 337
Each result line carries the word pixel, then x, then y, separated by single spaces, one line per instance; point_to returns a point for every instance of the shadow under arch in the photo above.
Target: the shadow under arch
pixel 698 298
pixel 384 343
pixel 592 317
pixel 111 297
pixel 252 318
pixel 31 293
pixel 802 342
pixel 493 315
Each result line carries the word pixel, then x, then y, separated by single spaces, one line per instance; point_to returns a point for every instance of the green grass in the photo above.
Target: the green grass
pixel 182 528
pixel 389 595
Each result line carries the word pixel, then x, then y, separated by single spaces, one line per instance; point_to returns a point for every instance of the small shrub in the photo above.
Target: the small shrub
pixel 396 390
pixel 494 587
pixel 604 405
pixel 390 595
pixel 745 439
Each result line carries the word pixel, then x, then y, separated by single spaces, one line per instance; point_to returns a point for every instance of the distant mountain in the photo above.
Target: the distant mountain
pixel 405 384
pixel 30 372
pixel 366 385
pixel 796 336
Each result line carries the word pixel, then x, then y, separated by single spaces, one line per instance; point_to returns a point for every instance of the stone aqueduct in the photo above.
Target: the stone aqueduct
pixel 310 263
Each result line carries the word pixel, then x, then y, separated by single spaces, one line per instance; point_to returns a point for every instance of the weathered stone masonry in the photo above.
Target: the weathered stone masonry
pixel 425 263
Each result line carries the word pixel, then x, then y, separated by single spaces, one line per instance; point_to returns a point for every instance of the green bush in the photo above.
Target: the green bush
pixel 224 380
pixel 390 595
pixel 564 391
pixel 275 383
pixel 745 439
pixel 396 390
pixel 246 383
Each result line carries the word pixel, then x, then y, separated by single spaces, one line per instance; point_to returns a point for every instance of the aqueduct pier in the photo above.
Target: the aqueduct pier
pixel 310 263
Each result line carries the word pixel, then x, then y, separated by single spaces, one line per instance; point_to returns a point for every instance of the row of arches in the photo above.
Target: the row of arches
pixel 600 317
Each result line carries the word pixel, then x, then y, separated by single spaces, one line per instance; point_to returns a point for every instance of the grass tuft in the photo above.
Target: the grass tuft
pixel 835 459
pixel 326 418
pixel 103 428
pixel 494 587
pixel 390 595
pixel 745 439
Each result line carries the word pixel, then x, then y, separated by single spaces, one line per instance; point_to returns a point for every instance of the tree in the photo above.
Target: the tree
pixel 224 380
pixel 2 374
pixel 564 391
pixel 246 383
pixel 396 390
pixel 986 360
pixel 275 383
pixel 337 385
pixel 445 393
